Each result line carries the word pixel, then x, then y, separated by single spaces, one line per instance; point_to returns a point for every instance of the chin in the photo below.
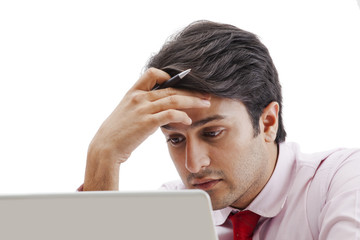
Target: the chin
pixel 216 206
pixel 218 202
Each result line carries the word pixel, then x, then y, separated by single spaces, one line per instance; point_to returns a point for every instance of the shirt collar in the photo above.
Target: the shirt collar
pixel 269 202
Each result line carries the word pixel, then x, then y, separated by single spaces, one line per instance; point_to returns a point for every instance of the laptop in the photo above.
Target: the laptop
pixel 158 215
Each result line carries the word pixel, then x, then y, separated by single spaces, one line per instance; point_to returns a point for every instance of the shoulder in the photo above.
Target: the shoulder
pixel 327 161
pixel 331 172
pixel 342 171
pixel 341 164
pixel 330 183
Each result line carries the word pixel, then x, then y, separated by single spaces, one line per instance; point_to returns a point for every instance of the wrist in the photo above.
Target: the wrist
pixel 102 170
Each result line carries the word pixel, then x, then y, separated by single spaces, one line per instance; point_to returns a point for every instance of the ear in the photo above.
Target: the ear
pixel 269 122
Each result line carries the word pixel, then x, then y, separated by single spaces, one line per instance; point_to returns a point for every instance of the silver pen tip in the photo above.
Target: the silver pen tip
pixel 184 73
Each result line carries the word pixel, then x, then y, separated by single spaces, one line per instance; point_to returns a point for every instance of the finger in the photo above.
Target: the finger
pixel 151 77
pixel 162 93
pixel 179 102
pixel 171 116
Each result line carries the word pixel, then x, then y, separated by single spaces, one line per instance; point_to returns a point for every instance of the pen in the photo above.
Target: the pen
pixel 172 81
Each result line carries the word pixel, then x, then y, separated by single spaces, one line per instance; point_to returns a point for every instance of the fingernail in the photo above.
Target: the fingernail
pixel 206 102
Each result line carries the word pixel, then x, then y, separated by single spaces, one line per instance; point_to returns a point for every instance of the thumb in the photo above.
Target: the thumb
pixel 151 77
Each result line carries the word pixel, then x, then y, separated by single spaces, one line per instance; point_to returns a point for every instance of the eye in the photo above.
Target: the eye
pixel 212 134
pixel 175 140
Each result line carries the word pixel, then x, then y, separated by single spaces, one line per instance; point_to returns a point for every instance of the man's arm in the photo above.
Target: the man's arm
pixel 137 116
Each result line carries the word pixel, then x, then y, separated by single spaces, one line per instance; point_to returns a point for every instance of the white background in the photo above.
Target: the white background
pixel 65 65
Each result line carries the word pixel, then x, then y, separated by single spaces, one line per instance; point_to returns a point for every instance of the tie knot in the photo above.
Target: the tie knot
pixel 244 224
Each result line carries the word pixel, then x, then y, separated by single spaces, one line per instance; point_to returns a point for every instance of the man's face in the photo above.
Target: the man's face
pixel 218 153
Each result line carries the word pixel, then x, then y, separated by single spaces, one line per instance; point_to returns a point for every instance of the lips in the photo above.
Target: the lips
pixel 205 184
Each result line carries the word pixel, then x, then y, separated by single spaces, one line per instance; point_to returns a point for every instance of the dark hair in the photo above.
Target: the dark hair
pixel 227 62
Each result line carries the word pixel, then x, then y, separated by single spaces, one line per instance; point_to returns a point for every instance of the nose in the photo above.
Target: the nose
pixel 196 156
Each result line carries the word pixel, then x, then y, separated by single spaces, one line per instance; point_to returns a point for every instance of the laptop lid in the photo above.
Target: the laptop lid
pixel 160 215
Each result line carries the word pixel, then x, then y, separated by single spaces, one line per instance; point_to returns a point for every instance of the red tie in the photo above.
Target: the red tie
pixel 244 224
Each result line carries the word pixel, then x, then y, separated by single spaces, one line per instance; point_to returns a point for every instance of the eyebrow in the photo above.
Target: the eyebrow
pixel 199 123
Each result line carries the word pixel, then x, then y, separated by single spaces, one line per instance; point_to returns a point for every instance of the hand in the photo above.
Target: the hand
pixel 138 115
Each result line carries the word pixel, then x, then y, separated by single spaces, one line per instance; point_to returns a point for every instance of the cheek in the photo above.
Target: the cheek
pixel 238 160
pixel 175 156
pixel 251 162
pixel 228 153
pixel 178 159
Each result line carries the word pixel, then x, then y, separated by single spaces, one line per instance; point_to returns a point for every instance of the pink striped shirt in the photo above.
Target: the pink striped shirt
pixel 309 196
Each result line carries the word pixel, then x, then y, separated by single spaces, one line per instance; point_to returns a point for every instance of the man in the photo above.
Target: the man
pixel 224 130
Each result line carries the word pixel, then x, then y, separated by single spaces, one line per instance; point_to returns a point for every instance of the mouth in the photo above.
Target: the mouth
pixel 205 184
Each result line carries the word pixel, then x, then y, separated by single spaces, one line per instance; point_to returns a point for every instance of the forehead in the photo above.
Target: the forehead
pixel 221 109
pixel 219 106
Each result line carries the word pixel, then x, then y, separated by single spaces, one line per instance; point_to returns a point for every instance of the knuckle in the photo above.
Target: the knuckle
pixel 141 110
pixel 172 100
pixel 136 97
pixel 151 72
pixel 169 91
pixel 171 114
pixel 149 119
pixel 153 121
